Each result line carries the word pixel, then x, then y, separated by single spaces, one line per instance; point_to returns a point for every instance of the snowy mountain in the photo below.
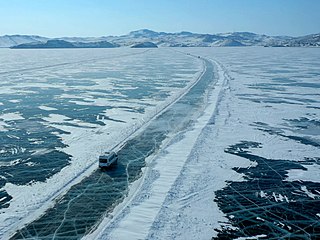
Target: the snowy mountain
pixel 12 40
pixel 144 33
pixel 309 40
pixel 181 39
pixel 188 39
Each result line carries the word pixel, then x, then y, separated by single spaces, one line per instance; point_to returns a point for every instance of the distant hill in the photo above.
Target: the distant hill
pixel 145 45
pixel 309 40
pixel 162 39
pixel 55 43
pixel 12 40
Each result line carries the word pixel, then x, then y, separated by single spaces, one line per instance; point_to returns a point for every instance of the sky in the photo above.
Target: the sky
pixel 58 18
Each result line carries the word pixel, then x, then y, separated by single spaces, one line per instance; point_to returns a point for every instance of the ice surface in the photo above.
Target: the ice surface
pixel 150 199
pixel 264 134
pixel 79 133
pixel 169 117
pixel 251 172
pixel 269 116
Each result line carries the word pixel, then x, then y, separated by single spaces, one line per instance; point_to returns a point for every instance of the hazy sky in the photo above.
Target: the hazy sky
pixel 57 18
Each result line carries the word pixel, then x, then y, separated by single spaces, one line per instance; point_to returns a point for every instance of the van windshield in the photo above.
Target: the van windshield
pixel 103 160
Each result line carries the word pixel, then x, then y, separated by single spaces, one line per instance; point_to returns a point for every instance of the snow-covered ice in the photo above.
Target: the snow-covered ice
pixel 47 108
pixel 251 155
pixel 182 208
pixel 11 116
pixel 150 199
pixel 85 139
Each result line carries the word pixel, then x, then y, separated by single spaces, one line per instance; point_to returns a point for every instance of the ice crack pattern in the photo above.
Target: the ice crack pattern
pixel 265 204
pixel 102 190
pixel 260 151
pixel 59 115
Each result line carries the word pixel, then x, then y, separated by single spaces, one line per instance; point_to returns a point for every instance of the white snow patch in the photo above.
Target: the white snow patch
pixel 15 101
pixel 11 163
pixel 254 237
pixel 56 118
pixel 46 108
pixel 3 126
pixel 312 174
pixel 280 197
pixel 1 199
pixel 263 194
pixel 41 151
pixel 308 193
pixel 261 219
pixel 11 116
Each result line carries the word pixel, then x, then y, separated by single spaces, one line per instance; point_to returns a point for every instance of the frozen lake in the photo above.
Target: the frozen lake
pixel 60 109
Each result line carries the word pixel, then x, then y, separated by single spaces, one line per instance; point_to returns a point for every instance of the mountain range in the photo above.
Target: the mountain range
pixel 161 39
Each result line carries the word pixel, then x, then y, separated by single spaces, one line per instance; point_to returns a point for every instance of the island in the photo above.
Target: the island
pixel 55 43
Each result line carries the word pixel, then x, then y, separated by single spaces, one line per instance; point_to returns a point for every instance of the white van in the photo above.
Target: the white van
pixel 108 159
